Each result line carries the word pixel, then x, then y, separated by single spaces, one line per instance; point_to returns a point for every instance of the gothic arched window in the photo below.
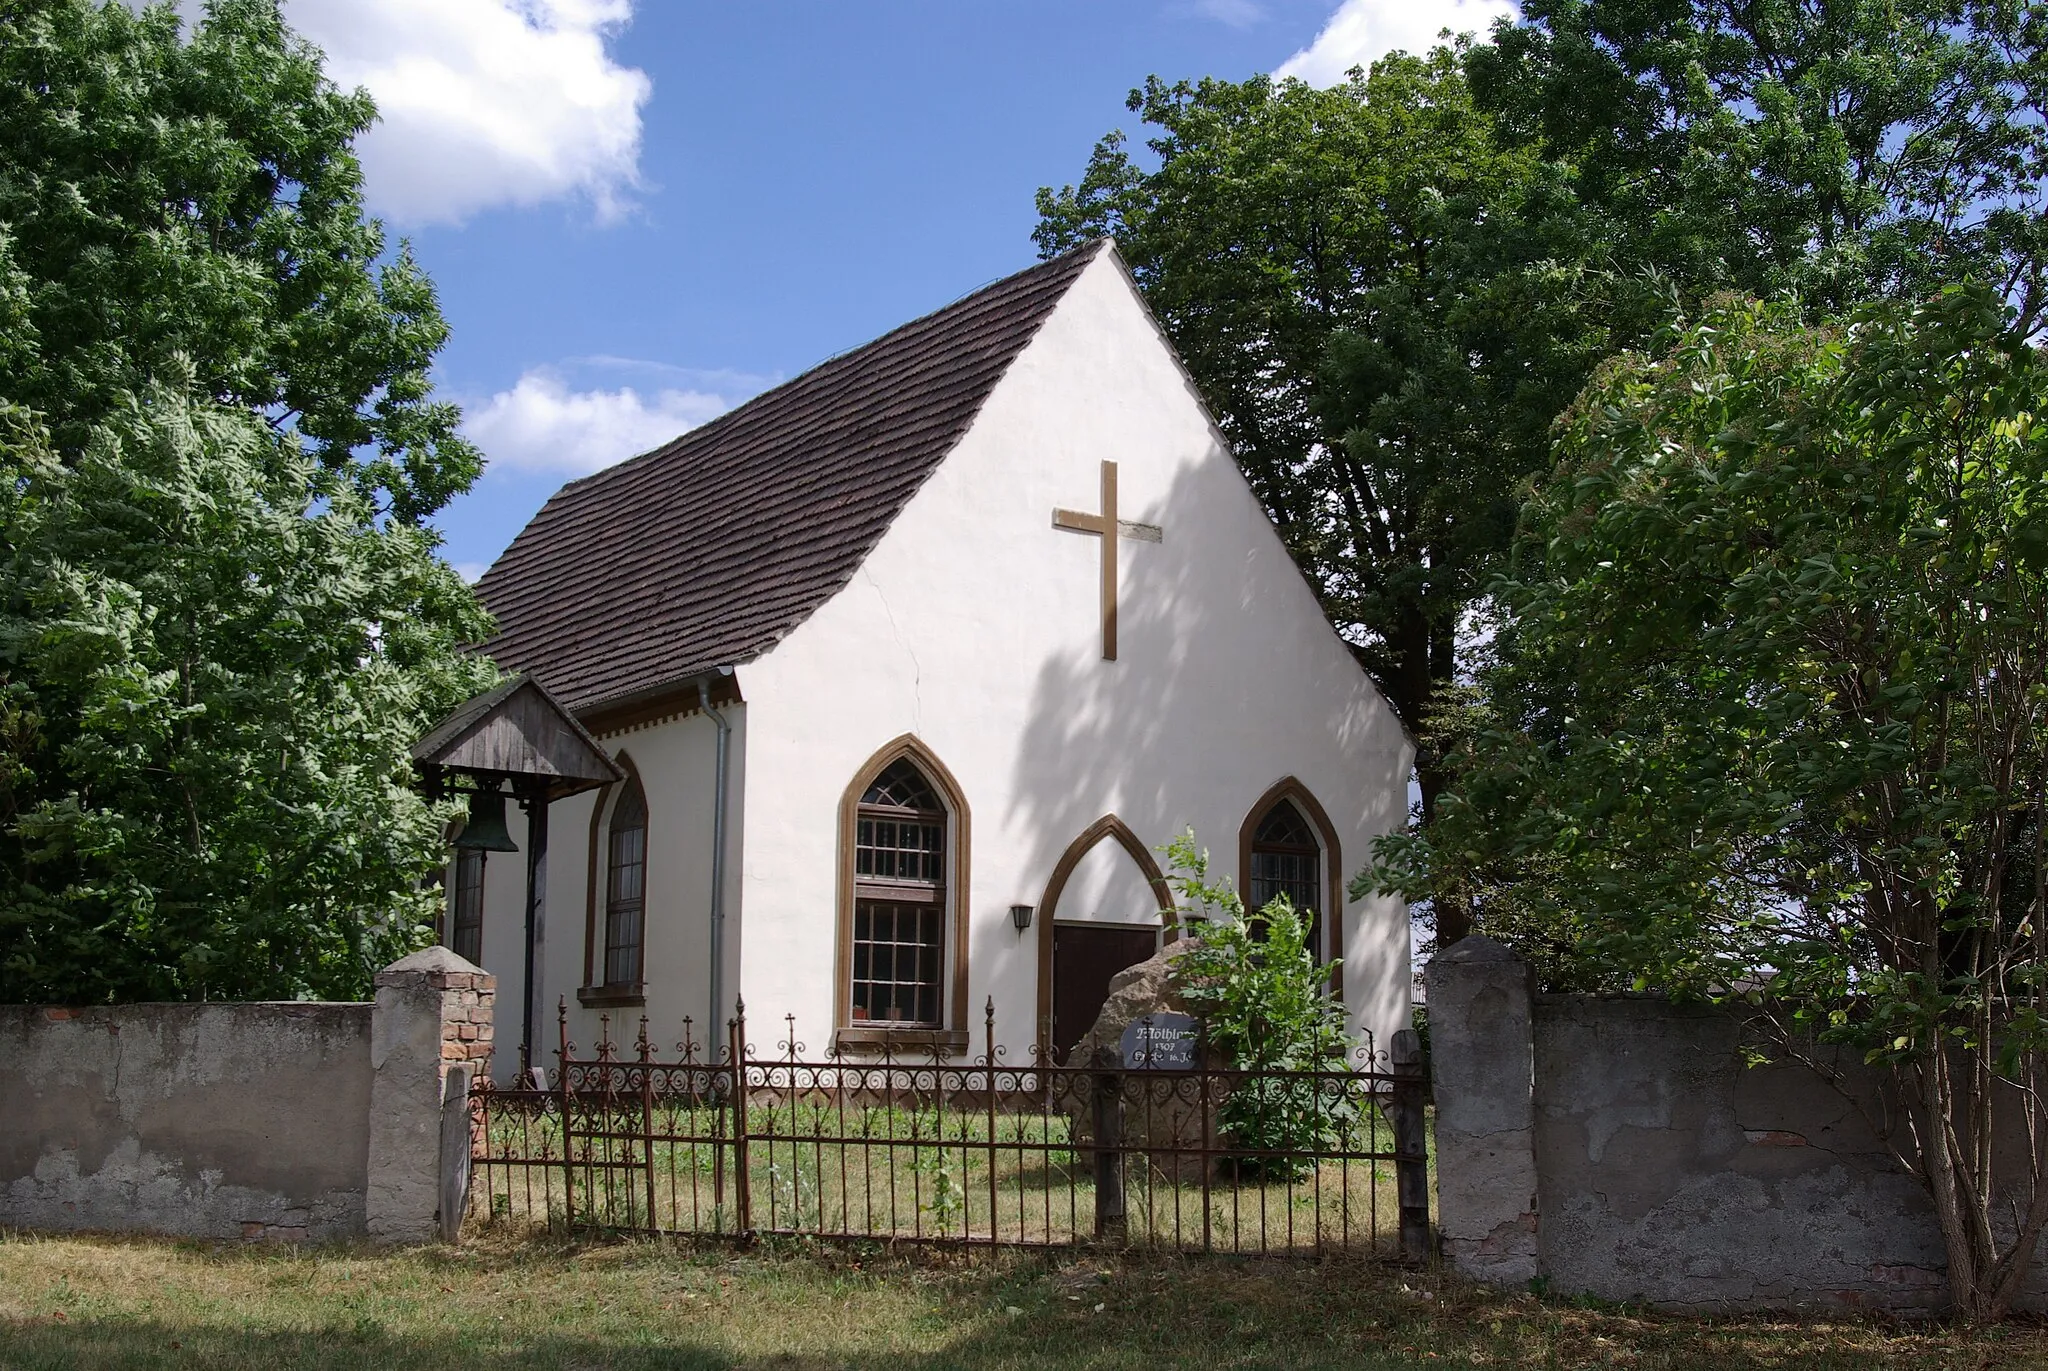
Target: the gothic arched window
pixel 466 906
pixel 1286 859
pixel 625 898
pixel 899 902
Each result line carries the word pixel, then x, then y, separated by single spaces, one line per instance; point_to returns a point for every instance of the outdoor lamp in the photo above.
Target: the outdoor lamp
pixel 1020 915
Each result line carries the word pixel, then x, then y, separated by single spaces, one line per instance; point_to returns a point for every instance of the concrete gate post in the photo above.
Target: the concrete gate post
pixel 1483 1050
pixel 429 1034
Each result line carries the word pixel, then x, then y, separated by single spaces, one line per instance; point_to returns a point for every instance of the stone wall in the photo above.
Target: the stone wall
pixel 240 1121
pixel 430 1008
pixel 1619 1146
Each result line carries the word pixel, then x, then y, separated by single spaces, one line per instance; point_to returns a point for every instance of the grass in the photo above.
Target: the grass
pixel 121 1303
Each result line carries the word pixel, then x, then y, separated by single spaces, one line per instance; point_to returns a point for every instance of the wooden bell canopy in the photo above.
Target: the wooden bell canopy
pixel 514 734
pixel 517 732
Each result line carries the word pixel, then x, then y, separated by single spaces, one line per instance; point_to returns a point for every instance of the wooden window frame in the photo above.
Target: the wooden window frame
pixel 1331 920
pixel 455 919
pixel 1309 895
pixel 614 906
pixel 1108 826
pixel 591 993
pixel 952 1035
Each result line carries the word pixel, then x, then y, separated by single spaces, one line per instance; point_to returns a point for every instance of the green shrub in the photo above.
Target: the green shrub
pixel 1266 1008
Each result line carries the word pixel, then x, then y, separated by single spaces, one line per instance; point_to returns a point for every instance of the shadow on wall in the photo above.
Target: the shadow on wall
pixel 1192 726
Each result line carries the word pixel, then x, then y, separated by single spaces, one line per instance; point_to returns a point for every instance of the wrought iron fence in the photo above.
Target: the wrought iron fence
pixel 892 1147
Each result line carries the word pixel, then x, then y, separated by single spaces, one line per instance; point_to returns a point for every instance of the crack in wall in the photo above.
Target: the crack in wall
pixel 916 668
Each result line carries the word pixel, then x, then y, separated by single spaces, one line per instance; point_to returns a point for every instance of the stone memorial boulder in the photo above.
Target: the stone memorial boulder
pixel 1143 1039
pixel 1135 993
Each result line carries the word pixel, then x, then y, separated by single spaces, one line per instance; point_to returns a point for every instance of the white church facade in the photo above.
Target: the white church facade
pixel 909 668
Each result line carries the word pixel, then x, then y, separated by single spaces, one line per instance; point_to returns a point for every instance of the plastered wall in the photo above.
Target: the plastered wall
pixel 675 760
pixel 270 1121
pixel 1621 1147
pixel 203 1120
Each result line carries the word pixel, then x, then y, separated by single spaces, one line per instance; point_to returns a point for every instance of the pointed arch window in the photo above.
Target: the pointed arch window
pixel 899 902
pixel 625 900
pixel 1288 846
pixel 466 906
pixel 1286 859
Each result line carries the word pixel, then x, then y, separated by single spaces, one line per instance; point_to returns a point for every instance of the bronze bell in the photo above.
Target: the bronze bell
pixel 485 831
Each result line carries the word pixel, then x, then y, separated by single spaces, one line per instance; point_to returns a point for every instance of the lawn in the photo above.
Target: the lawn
pixel 119 1303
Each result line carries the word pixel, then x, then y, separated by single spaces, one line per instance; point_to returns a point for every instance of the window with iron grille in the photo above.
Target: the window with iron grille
pixel 899 906
pixel 1287 860
pixel 466 907
pixel 625 901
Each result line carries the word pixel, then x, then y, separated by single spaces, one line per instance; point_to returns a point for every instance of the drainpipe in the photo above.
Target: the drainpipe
pixel 717 849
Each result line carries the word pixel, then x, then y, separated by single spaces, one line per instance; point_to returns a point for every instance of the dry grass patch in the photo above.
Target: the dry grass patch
pixel 120 1303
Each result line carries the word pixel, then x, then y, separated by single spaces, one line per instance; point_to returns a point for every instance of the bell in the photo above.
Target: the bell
pixel 485 831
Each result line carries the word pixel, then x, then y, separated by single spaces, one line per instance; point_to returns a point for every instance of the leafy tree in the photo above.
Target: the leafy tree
pixel 195 196
pixel 1384 308
pixel 1769 708
pixel 1265 1007
pixel 221 620
pixel 215 660
pixel 1840 149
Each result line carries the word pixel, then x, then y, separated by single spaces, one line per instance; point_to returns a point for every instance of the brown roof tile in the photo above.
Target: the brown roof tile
pixel 708 551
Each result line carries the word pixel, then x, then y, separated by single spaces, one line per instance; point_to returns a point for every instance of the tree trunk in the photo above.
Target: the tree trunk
pixel 1425 661
pixel 1937 1171
pixel 1982 1281
pixel 1452 910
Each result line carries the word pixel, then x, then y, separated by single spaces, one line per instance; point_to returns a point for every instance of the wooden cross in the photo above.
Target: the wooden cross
pixel 1107 527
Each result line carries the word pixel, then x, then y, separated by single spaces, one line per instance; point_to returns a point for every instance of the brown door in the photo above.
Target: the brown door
pixel 1084 958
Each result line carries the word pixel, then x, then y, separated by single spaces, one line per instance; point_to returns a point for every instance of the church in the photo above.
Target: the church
pixel 906 671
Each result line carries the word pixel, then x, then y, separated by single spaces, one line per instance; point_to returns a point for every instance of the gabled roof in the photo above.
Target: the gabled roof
pixel 707 552
pixel 517 729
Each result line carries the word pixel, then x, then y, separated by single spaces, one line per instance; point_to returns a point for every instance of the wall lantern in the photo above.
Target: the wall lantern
pixel 1020 915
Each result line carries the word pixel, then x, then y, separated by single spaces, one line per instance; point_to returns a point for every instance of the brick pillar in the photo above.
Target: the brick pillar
pixel 430 1031
pixel 1483 1055
pixel 466 1019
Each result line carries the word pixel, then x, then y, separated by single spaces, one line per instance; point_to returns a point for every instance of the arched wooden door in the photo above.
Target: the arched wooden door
pixel 1080 950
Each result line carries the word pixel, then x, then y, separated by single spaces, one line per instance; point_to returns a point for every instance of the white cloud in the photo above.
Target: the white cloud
pixel 486 102
pixel 543 424
pixel 1363 31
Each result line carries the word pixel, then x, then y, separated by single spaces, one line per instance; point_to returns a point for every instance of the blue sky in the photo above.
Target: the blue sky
pixel 639 214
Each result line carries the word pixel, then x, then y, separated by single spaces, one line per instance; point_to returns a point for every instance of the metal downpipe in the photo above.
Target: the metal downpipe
pixel 718 804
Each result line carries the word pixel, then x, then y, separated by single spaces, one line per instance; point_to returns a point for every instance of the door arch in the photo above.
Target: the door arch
pixel 1109 826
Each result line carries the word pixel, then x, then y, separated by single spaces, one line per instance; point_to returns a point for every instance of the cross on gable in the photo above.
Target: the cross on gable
pixel 1109 528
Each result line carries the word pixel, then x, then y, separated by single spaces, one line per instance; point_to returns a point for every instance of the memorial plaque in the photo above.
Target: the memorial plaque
pixel 1161 1042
